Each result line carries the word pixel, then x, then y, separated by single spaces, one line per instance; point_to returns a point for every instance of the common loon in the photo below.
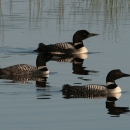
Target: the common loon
pixel 75 47
pixel 25 69
pixel 111 86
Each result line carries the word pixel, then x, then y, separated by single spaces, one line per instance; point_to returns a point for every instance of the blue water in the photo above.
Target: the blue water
pixel 41 105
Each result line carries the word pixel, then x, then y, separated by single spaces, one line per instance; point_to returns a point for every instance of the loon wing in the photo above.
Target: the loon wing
pixel 85 88
pixel 87 91
pixel 60 47
pixel 95 87
pixel 18 69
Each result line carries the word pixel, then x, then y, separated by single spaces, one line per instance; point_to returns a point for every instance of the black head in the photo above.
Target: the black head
pixel 115 74
pixel 81 35
pixel 40 47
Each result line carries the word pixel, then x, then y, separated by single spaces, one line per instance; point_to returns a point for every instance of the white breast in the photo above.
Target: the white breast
pixel 82 50
pixel 115 90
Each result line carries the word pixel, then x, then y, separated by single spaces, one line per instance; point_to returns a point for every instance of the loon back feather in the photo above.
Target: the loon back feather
pixel 18 69
pixel 25 69
pixel 60 48
pixel 85 89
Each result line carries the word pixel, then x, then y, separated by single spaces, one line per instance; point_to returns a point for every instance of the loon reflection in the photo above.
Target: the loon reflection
pixel 77 62
pixel 113 109
pixel 24 72
pixel 110 100
pixel 25 78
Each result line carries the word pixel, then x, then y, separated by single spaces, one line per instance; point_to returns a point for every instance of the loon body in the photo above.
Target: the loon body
pixel 25 69
pixel 111 86
pixel 75 47
pixel 20 69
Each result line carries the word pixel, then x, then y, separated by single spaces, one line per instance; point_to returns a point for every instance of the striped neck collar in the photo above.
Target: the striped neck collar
pixel 108 83
pixel 78 45
pixel 42 68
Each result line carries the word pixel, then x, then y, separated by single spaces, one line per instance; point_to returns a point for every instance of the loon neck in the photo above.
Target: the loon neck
pixel 42 68
pixel 109 83
pixel 41 62
pixel 113 86
pixel 78 45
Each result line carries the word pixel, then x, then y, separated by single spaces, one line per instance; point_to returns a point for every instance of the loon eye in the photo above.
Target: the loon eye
pixel 117 73
pixel 84 34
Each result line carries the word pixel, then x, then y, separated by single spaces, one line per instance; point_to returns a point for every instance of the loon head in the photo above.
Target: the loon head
pixel 81 35
pixel 40 47
pixel 115 74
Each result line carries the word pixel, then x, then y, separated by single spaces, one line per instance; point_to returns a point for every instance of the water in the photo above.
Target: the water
pixel 41 105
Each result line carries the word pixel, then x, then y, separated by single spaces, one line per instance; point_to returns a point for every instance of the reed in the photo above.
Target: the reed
pixel 64 13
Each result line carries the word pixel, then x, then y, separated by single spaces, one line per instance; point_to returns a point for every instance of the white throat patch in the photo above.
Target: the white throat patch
pixel 77 43
pixel 108 83
pixel 41 67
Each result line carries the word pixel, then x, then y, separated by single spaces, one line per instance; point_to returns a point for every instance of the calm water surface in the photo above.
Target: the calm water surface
pixel 41 104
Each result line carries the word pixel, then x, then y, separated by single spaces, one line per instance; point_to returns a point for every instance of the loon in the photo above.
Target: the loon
pixel 25 69
pixel 75 47
pixel 111 86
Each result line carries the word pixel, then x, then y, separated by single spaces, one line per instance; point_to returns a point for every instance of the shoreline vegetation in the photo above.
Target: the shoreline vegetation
pixel 86 12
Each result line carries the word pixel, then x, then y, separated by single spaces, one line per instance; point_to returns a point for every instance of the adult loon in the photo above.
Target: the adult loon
pixel 111 86
pixel 25 69
pixel 75 47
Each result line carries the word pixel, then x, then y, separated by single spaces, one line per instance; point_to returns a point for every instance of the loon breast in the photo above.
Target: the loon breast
pixel 82 50
pixel 115 90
